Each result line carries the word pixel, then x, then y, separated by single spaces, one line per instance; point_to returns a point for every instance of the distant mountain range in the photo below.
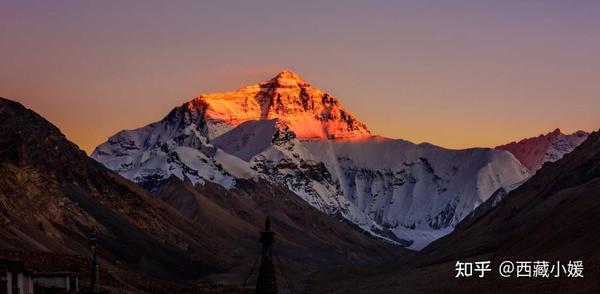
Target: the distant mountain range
pixel 343 202
pixel 534 152
pixel 289 133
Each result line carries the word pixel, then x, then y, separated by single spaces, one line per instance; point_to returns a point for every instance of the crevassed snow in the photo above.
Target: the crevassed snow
pixel 419 192
pixel 402 192
pixel 175 146
pixel 394 189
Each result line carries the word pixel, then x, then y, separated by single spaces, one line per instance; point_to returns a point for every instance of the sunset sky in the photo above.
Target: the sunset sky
pixel 453 73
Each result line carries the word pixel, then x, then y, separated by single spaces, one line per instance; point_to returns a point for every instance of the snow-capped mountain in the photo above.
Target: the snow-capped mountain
pixel 177 145
pixel 534 152
pixel 292 134
pixel 418 192
pixel 274 152
pixel 53 197
pixel 309 112
pixel 398 190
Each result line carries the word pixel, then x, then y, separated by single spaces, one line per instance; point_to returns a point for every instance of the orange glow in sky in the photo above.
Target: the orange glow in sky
pixel 461 74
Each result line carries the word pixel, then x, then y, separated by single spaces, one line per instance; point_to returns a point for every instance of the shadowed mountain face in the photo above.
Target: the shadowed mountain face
pixel 555 213
pixel 554 216
pixel 289 133
pixel 306 239
pixel 52 196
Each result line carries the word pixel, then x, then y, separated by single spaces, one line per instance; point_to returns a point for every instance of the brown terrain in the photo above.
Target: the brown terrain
pixel 194 239
pixel 53 196
pixel 554 217
pixel 306 239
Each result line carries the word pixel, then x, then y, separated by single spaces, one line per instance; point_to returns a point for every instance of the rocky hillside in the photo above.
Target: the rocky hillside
pixel 553 213
pixel 552 217
pixel 52 197
pixel 419 192
pixel 307 239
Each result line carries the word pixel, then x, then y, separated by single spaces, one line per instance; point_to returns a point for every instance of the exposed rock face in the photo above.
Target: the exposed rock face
pixel 180 144
pixel 417 192
pixel 289 133
pixel 553 217
pixel 559 200
pixel 52 196
pixel 309 112
pixel 534 152
pixel 177 145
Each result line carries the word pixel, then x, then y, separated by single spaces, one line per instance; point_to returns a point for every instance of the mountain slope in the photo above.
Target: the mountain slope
pixel 308 111
pixel 542 207
pixel 175 145
pixel 416 193
pixel 534 152
pixel 552 217
pixel 307 239
pixel 52 196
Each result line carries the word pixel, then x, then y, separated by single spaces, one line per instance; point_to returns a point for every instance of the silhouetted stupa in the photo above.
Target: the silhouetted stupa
pixel 267 280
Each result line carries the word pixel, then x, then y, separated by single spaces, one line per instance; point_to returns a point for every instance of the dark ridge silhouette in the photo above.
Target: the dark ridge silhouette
pixel 554 216
pixel 53 197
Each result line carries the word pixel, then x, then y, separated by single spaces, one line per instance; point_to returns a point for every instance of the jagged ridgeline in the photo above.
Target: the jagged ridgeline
pixel 53 197
pixel 287 132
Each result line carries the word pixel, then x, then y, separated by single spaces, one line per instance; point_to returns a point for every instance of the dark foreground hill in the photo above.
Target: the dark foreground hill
pixel 53 196
pixel 306 238
pixel 553 217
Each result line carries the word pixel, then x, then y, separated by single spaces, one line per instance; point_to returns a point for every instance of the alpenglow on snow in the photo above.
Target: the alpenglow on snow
pixel 290 133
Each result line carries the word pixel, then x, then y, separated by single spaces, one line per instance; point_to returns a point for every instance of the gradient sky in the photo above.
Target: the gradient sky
pixel 453 73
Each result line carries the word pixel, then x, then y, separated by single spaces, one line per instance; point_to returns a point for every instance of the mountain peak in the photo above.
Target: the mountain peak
pixel 287 78
pixel 556 131
pixel 308 111
pixel 288 74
